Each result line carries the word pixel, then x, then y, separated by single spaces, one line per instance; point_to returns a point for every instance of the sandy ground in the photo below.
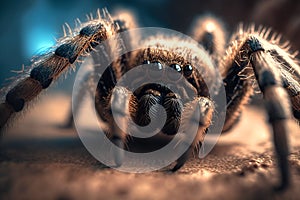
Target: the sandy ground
pixel 41 161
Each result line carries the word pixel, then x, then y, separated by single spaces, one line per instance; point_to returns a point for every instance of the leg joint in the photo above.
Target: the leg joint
pixel 254 44
pixel 266 79
pixel 276 111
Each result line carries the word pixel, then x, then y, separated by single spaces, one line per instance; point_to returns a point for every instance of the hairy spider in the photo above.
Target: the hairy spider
pixel 253 55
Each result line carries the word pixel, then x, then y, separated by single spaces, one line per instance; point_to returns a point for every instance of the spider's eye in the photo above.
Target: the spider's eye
pixel 176 67
pixel 144 65
pixel 157 66
pixel 173 76
pixel 155 70
pixel 146 62
pixel 187 70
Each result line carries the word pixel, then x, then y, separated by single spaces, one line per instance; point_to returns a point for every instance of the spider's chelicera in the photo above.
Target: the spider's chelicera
pixel 252 56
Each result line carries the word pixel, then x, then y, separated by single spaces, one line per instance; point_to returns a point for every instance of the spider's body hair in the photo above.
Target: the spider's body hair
pixel 168 52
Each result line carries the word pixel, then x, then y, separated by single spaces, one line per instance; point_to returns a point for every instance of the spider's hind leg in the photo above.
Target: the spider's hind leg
pixel 209 32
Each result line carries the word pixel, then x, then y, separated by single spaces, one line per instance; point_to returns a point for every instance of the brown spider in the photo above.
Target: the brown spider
pixel 251 56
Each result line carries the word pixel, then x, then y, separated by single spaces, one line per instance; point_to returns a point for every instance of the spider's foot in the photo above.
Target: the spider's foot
pixel 181 160
pixel 118 151
pixel 282 187
pixel 285 180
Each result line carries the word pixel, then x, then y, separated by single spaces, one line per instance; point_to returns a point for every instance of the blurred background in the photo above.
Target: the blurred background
pixel 31 26
pixel 52 163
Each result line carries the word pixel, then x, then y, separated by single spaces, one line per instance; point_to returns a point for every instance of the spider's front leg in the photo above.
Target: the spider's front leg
pixel 50 66
pixel 123 21
pixel 197 113
pixel 278 107
pixel 251 55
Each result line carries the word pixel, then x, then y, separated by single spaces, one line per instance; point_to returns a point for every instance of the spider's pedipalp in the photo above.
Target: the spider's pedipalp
pixel 120 107
pixel 202 108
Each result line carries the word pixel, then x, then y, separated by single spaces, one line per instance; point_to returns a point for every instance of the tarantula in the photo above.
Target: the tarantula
pixel 252 55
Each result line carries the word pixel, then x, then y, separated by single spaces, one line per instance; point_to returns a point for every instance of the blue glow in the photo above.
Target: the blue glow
pixel 37 29
pixel 37 40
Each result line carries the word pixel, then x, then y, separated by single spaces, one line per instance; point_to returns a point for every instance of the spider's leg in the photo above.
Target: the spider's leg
pixel 290 74
pixel 250 55
pixel 124 21
pixel 200 107
pixel 238 78
pixel 114 105
pixel 50 66
pixel 293 88
pixel 238 91
pixel 209 32
pixel 278 107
